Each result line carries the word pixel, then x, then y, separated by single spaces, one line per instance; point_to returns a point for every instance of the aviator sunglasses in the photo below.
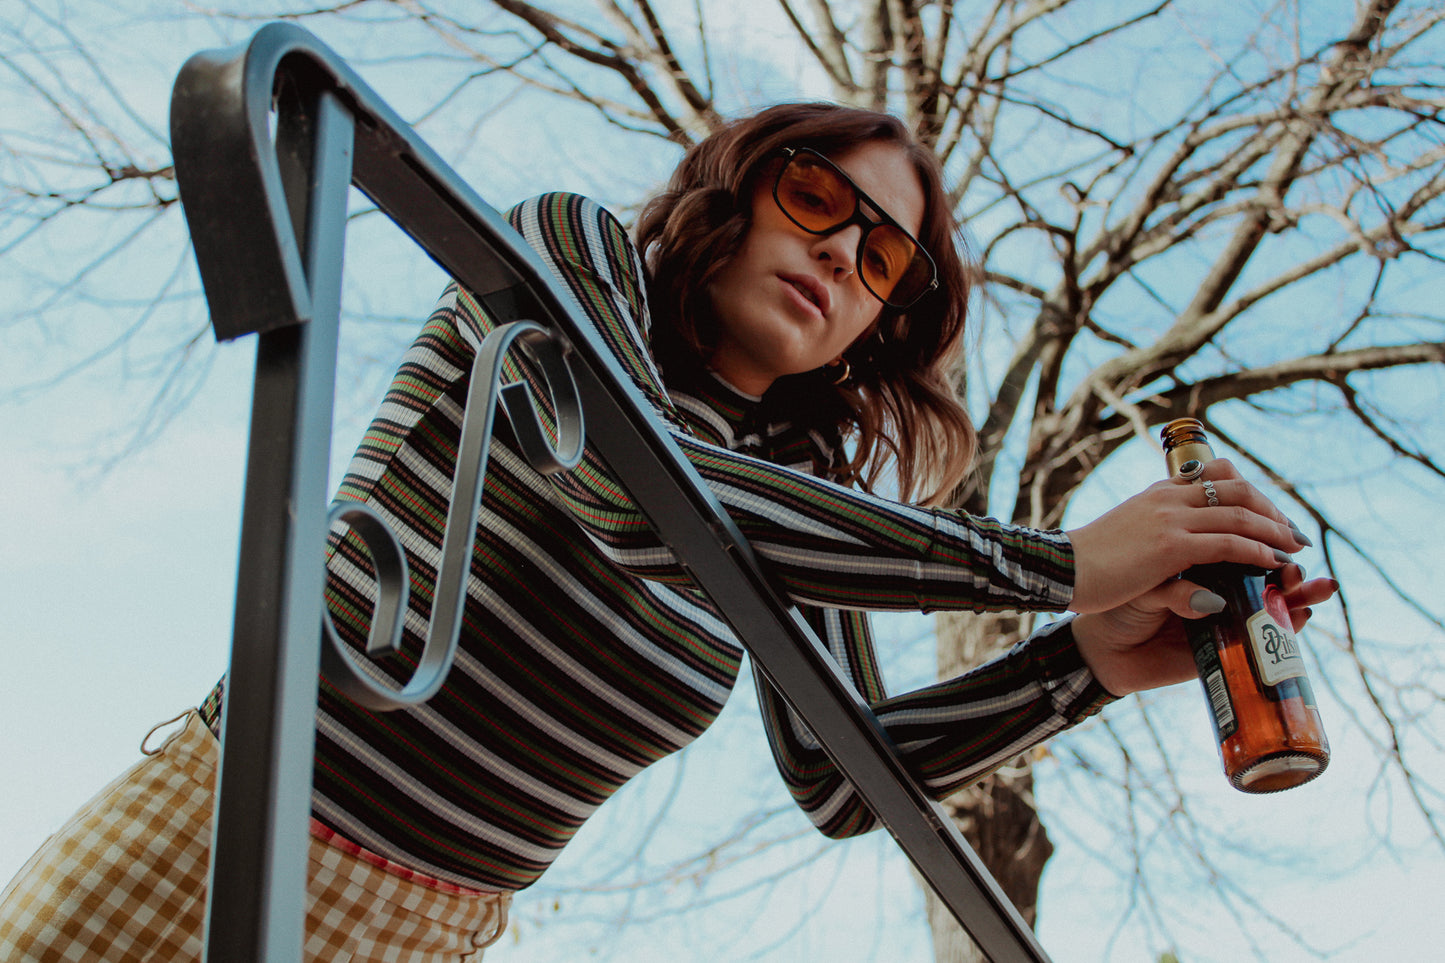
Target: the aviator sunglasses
pixel 821 199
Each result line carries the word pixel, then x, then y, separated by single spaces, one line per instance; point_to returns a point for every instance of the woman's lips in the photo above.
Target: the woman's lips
pixel 810 290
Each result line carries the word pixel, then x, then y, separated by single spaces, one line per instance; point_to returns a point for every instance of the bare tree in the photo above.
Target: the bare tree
pixel 1159 205
pixel 1177 211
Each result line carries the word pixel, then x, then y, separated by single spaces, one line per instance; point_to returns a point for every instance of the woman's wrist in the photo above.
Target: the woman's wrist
pixel 1090 640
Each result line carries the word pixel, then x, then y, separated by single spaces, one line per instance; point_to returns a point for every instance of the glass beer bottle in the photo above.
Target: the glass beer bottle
pixel 1264 711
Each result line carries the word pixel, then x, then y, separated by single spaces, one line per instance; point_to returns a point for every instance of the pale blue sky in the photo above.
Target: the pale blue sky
pixel 116 589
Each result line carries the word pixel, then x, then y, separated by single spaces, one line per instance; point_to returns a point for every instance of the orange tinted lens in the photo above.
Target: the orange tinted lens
pixel 892 264
pixel 814 195
pixel 915 281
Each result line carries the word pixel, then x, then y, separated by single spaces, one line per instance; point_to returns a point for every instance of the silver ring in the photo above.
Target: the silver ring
pixel 1191 469
pixel 1210 493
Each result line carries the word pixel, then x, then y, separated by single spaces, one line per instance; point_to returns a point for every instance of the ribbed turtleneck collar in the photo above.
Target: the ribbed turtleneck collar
pixel 720 413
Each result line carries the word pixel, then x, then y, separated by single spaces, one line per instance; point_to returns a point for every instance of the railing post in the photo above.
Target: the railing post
pixel 257 906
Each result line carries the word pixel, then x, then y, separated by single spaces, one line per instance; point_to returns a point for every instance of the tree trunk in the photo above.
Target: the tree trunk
pixel 997 816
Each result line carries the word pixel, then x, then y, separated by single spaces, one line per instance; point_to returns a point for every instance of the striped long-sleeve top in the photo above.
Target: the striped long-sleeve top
pixel 586 653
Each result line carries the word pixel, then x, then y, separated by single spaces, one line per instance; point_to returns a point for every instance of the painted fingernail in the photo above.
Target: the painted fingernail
pixel 1206 601
pixel 1300 536
pixel 1282 557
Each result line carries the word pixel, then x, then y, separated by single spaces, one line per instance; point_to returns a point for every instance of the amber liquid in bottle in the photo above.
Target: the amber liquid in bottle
pixel 1270 734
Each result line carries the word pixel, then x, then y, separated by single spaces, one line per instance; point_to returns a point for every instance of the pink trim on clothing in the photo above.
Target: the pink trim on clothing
pixel 331 837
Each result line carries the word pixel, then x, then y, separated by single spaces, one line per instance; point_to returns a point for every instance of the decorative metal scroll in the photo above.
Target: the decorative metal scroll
pixel 389 561
pixel 267 140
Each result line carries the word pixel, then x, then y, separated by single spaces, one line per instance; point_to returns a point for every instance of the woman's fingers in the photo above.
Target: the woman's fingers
pixel 1188 600
pixel 1300 595
pixel 1170 527
pixel 1139 645
pixel 1291 577
pixel 1243 543
pixel 1232 490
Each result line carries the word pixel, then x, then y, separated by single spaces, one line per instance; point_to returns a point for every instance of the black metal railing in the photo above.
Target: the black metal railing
pixel 268 138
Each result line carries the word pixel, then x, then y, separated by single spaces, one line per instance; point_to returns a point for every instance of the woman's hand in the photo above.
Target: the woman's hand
pixel 1141 644
pixel 1169 527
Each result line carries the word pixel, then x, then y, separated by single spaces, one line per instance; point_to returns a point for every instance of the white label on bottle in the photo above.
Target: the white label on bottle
pixel 1276 653
pixel 1218 694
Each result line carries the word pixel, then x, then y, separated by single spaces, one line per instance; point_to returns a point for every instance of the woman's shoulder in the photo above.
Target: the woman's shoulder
pixel 565 208
pixel 575 232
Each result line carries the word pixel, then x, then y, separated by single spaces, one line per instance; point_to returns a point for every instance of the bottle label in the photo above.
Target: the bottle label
pixel 1211 674
pixel 1276 652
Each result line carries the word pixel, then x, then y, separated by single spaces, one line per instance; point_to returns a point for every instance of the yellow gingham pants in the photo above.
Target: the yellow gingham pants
pixel 124 881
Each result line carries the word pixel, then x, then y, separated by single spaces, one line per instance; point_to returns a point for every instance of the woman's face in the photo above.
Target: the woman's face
pixel 789 301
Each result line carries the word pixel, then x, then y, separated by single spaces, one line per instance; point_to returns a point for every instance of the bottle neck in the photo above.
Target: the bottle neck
pixel 1186 451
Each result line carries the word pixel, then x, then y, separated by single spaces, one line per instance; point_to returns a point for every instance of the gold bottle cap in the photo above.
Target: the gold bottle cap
pixel 1185 442
pixel 1183 430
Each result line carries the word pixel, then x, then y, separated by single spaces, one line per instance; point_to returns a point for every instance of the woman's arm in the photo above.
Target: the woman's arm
pixel 836 547
pixel 949 734
pixel 833 546
pixel 956 732
pixel 1141 644
pixel 1168 528
pixel 827 545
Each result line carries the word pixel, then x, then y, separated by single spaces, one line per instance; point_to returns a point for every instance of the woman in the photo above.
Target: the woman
pixel 792 317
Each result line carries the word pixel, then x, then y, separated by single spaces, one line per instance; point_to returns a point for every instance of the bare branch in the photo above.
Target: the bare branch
pixel 605 54
pixel 654 47
pixel 828 46
pixel 1331 368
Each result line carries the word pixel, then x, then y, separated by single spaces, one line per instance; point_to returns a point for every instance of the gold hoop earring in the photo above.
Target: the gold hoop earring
pixel 846 373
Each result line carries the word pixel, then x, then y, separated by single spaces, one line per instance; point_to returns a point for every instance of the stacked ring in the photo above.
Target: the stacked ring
pixel 1211 494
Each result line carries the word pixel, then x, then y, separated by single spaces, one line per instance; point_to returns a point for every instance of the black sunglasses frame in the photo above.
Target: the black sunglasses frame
pixel 860 197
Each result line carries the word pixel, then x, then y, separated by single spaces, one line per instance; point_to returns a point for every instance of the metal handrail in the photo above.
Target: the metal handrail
pixel 267 139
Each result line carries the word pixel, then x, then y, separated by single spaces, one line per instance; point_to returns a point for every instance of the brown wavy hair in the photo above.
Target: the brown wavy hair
pixel 900 402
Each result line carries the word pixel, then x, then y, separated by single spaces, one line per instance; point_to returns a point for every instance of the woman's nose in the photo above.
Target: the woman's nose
pixel 840 249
